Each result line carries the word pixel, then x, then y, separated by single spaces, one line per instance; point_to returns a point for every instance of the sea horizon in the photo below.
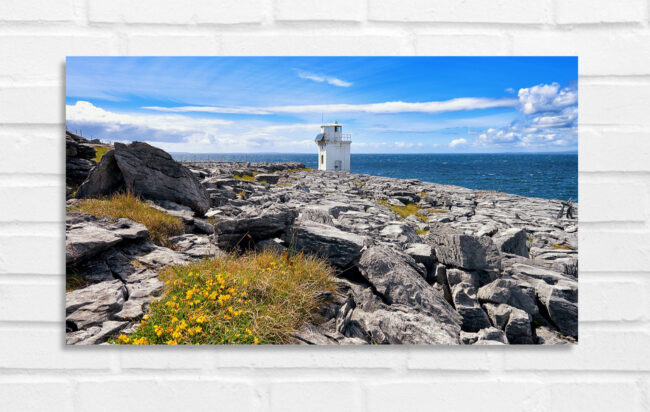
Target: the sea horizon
pixel 552 175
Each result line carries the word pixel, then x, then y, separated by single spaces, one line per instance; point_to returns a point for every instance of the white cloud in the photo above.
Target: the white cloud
pixel 452 105
pixel 457 142
pixel 85 112
pixel 546 97
pixel 182 133
pixel 324 79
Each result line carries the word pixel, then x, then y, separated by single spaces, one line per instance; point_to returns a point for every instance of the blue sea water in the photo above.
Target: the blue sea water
pixel 550 176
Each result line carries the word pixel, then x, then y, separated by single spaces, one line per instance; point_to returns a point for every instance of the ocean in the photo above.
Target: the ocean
pixel 549 176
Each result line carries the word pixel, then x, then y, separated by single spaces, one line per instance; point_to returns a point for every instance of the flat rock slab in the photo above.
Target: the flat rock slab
pixel 336 246
pixel 87 236
pixel 254 226
pixel 95 304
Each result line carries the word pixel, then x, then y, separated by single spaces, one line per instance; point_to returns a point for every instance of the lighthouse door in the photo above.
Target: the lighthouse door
pixel 337 165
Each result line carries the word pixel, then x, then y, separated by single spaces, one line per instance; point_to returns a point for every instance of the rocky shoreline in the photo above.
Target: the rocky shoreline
pixel 416 262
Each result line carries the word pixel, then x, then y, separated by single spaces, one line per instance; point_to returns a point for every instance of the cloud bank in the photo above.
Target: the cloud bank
pixel 452 105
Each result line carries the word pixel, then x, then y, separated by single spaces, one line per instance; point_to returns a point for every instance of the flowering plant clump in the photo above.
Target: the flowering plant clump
pixel 250 299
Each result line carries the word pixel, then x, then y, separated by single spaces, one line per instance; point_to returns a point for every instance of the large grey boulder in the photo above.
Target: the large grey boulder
pixel 393 276
pixel 462 250
pixel 400 325
pixel 509 292
pixel 338 247
pixel 105 179
pixel 254 226
pixel 512 241
pixel 561 303
pixel 515 322
pixel 468 306
pixel 77 170
pixel 148 172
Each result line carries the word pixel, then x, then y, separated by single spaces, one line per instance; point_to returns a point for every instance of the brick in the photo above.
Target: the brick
pixel 344 357
pixel 599 349
pixel 28 396
pixel 344 45
pixel 612 199
pixel 614 150
pixel 612 299
pixel 32 301
pixel 42 57
pixel 33 104
pixel 315 10
pixel 472 11
pixel 320 396
pixel 17 254
pixel 168 45
pixel 606 250
pixel 44 348
pixel 600 52
pixel 196 11
pixel 45 146
pixel 460 44
pixel 156 359
pixel 594 396
pixel 614 103
pixel 37 10
pixel 170 394
pixel 26 203
pixel 599 11
pixel 455 394
pixel 451 358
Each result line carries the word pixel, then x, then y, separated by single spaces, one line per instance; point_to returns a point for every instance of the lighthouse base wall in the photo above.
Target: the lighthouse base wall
pixel 334 157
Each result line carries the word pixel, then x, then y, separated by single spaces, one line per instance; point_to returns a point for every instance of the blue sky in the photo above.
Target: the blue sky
pixel 275 104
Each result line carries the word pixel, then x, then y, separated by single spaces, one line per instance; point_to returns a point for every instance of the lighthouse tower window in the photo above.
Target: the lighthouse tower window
pixel 337 129
pixel 322 159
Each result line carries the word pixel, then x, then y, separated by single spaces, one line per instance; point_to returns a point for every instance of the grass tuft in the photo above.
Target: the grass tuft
pixel 73 281
pixel 161 226
pixel 422 231
pixel 254 298
pixel 405 211
pixel 561 247
pixel 100 151
pixel 245 177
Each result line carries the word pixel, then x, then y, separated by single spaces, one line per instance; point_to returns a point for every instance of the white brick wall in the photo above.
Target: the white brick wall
pixel 608 370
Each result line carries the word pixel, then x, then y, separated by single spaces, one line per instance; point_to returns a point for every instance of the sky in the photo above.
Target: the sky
pixel 277 104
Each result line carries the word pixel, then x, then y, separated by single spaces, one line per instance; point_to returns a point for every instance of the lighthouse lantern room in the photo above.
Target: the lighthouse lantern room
pixel 333 148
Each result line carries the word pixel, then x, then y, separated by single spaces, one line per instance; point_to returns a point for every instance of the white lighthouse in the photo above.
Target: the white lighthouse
pixel 333 148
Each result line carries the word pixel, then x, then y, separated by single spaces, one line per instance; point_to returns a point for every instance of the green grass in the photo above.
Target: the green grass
pixel 249 299
pixel 422 231
pixel 161 226
pixel 100 151
pixel 404 211
pixel 73 281
pixel 245 177
pixel 359 182
pixel 560 247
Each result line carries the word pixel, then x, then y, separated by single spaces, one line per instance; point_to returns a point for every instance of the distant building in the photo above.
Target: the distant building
pixel 333 148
